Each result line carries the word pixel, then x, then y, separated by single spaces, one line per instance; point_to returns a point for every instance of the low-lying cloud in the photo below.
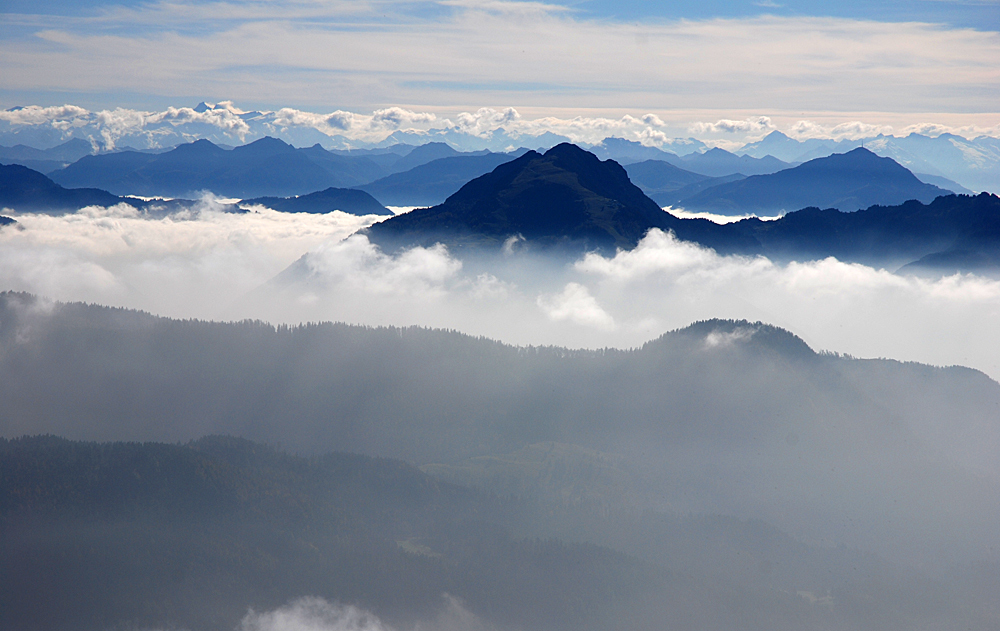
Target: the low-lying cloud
pixel 215 265
pixel 312 613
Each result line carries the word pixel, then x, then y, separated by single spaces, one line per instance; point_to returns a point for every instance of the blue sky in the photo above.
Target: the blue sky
pixel 897 63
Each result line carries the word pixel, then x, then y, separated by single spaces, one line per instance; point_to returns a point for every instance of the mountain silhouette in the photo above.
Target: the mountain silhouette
pixel 849 181
pixel 952 233
pixel 565 199
pixel 719 162
pixel 432 182
pixel 267 166
pixel 657 176
pixel 26 190
pixel 346 200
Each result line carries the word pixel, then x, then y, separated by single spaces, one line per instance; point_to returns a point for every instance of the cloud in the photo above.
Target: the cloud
pixel 575 304
pixel 61 117
pixel 355 264
pixel 313 614
pixel 317 614
pixel 490 52
pixel 182 265
pixel 757 125
pixel 851 130
pixel 210 264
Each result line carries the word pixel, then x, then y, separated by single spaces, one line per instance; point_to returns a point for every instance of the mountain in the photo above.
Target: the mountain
pixel 566 199
pixel 108 535
pixel 723 417
pixel 954 233
pixel 433 182
pixel 857 179
pixel 675 197
pixel 626 152
pixel 26 190
pixel 422 154
pixel 193 535
pixel 6 221
pixel 719 163
pixel 46 160
pixel 266 167
pixel 346 200
pixel 944 183
pixel 973 164
pixel 666 184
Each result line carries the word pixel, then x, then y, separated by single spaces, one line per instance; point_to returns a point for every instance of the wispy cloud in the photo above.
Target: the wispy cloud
pixel 535 55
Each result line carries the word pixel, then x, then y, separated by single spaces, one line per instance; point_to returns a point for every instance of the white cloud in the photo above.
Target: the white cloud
pixel 313 614
pixel 61 116
pixel 354 264
pixel 575 304
pixel 489 52
pixel 182 266
pixel 757 125
pixel 218 265
pixel 851 130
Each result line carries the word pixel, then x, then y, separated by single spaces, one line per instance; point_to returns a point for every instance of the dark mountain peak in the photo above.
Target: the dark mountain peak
pixel 566 197
pixel 718 334
pixel 717 152
pixel 267 145
pixel 203 107
pixel 776 135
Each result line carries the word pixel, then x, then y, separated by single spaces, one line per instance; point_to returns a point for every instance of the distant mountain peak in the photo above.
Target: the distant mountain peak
pixel 266 145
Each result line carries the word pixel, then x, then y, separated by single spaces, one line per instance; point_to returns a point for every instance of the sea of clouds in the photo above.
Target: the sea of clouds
pixel 211 264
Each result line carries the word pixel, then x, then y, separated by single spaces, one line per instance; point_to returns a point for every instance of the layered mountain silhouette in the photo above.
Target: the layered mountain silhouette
pixel 954 233
pixel 565 199
pixel 46 160
pixel 272 168
pixel 25 190
pixel 849 181
pixel 265 167
pixel 719 162
pixel 667 184
pixel 433 182
pixel 346 200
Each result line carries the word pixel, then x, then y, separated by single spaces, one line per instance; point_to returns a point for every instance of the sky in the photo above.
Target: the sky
pixel 890 63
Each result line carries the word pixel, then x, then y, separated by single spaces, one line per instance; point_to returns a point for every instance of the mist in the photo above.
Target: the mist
pixel 214 265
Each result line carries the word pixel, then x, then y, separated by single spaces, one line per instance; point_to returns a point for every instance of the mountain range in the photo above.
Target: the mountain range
pixel 974 164
pixel 432 182
pixel 849 181
pixel 722 417
pixel 566 199
pixel 106 535
pixel 25 190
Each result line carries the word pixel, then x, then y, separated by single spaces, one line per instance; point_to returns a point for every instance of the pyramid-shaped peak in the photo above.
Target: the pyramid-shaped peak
pixel 266 145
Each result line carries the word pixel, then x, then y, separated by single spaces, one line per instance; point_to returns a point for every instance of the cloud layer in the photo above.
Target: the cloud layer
pixel 216 265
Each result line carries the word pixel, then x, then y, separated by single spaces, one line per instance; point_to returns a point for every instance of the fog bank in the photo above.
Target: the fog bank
pixel 213 265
